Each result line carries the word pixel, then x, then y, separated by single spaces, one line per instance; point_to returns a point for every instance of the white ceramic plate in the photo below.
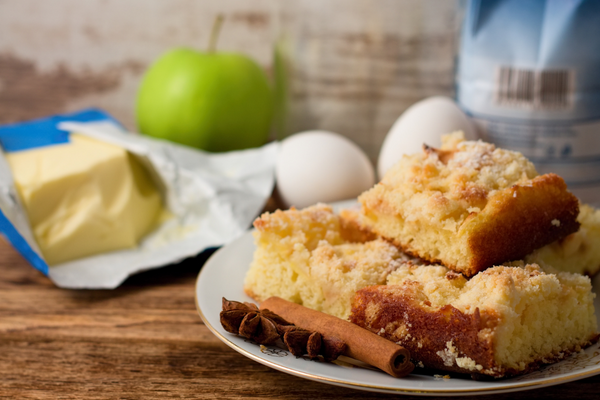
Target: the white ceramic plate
pixel 223 276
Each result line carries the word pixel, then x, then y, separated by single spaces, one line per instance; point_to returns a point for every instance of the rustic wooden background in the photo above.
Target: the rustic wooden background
pixel 353 66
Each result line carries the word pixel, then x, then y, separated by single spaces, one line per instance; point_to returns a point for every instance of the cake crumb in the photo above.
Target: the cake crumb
pixel 555 222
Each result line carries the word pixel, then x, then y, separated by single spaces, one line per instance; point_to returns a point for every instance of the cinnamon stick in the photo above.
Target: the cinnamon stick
pixel 361 344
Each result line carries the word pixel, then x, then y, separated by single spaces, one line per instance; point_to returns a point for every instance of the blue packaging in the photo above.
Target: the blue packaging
pixel 529 76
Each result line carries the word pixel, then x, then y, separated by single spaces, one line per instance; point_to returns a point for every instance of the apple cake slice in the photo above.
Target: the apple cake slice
pixel 469 205
pixel 506 320
pixel 315 258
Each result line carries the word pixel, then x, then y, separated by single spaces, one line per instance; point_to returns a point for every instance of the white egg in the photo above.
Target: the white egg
pixel 423 122
pixel 320 166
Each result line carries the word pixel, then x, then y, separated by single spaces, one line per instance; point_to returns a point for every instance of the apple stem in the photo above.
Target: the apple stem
pixel 214 34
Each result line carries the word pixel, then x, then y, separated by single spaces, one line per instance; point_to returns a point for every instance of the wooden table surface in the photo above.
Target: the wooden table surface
pixel 144 340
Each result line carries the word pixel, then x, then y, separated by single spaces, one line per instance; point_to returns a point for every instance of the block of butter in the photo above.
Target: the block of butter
pixel 84 197
pixel 89 204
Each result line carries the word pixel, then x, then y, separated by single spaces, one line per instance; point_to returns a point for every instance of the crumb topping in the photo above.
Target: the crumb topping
pixel 424 187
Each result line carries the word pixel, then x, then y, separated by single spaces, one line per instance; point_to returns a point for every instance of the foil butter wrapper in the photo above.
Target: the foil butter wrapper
pixel 211 199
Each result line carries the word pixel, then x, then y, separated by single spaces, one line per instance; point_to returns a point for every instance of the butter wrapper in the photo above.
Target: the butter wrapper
pixel 211 199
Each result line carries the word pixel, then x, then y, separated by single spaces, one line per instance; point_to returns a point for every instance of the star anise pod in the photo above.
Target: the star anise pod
pixel 332 347
pixel 245 319
pixel 265 327
pixel 301 341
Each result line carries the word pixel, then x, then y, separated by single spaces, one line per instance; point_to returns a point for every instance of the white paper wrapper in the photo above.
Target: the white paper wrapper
pixel 213 199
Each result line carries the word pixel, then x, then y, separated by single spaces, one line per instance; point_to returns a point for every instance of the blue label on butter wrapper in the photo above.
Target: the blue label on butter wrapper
pixel 20 244
pixel 44 132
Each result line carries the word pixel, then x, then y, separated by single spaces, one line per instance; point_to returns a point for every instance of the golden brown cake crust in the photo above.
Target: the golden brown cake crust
pixel 520 220
pixel 434 335
pixel 418 329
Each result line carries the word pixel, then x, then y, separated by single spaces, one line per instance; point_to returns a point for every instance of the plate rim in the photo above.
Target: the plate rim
pixel 522 386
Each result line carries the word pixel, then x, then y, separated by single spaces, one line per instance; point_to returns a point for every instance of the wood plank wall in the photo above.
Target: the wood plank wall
pixel 351 66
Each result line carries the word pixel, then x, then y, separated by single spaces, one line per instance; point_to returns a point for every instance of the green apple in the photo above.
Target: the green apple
pixel 211 101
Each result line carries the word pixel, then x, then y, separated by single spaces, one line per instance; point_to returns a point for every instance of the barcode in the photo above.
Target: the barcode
pixel 547 89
